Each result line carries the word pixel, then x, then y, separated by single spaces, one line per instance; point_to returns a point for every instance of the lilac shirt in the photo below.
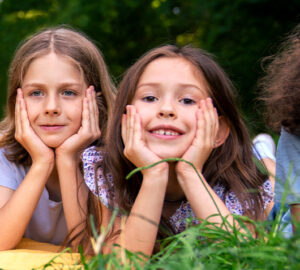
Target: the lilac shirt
pixel 178 220
pixel 47 223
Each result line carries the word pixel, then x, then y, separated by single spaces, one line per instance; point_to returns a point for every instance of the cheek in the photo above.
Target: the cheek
pixel 193 123
pixel 77 119
pixel 190 119
pixel 144 114
pixel 76 115
pixel 33 110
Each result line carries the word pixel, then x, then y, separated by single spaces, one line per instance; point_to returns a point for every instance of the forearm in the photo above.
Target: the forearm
pixel 142 224
pixel 74 194
pixel 16 213
pixel 140 230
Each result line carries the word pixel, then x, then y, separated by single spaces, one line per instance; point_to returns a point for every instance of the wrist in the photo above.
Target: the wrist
pixel 183 170
pixel 160 170
pixel 67 161
pixel 188 177
pixel 43 167
pixel 157 176
pixel 44 162
pixel 65 156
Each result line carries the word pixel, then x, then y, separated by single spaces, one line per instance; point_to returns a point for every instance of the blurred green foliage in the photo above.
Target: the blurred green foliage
pixel 238 32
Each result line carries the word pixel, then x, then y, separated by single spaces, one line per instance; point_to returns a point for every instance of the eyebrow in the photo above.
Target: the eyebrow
pixel 64 84
pixel 185 85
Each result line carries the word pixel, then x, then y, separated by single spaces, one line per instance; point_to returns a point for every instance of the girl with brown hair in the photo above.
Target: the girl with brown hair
pixel 281 93
pixel 59 98
pixel 174 103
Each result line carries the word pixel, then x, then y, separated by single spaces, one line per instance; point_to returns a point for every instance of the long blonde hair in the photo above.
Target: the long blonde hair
pixel 69 43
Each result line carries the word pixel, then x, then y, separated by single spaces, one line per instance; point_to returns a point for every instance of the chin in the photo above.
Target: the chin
pixel 169 154
pixel 169 151
pixel 53 144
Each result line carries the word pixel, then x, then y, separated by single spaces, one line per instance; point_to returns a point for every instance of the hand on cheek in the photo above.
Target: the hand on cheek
pixel 204 140
pixel 26 136
pixel 135 148
pixel 89 130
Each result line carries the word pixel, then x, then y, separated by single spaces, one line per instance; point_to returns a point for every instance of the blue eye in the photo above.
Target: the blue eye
pixel 187 101
pixel 36 93
pixel 149 99
pixel 68 93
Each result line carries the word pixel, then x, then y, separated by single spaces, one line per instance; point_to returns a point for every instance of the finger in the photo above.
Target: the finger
pixel 201 128
pixel 17 116
pixel 124 127
pixel 92 115
pixel 95 113
pixel 137 135
pixel 212 117
pixel 217 121
pixel 95 106
pixel 130 125
pixel 85 122
pixel 209 123
pixel 25 124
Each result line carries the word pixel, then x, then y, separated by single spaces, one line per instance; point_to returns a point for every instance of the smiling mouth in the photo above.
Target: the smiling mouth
pixel 165 132
pixel 51 127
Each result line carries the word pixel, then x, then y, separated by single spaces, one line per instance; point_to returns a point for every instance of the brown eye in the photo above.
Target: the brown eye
pixel 149 99
pixel 187 101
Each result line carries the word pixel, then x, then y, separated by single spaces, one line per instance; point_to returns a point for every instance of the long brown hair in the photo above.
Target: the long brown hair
pixel 82 52
pixel 231 164
pixel 281 85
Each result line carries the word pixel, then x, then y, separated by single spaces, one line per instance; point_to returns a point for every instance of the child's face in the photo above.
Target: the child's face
pixel 167 97
pixel 53 91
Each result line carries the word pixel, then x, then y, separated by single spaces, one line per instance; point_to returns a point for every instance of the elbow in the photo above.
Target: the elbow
pixel 7 246
pixel 8 242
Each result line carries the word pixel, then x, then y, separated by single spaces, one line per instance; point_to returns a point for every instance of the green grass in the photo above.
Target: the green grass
pixel 207 246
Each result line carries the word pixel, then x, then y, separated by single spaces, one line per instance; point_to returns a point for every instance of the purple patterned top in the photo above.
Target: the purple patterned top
pixel 178 220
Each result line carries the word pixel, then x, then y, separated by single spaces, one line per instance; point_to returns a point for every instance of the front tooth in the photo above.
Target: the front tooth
pixel 166 132
pixel 159 132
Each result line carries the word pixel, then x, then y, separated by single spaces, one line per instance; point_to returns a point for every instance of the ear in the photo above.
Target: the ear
pixel 223 132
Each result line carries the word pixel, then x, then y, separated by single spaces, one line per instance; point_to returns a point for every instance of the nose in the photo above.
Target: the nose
pixel 167 110
pixel 52 106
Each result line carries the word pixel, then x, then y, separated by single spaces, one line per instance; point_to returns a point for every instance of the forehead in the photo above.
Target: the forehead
pixel 54 61
pixel 173 69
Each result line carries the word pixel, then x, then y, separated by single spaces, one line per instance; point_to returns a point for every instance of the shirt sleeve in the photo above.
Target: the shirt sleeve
pixel 94 178
pixel 267 193
pixel 235 207
pixel 10 174
pixel 288 168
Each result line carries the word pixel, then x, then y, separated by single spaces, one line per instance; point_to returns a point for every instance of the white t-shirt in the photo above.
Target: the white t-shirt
pixel 47 223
